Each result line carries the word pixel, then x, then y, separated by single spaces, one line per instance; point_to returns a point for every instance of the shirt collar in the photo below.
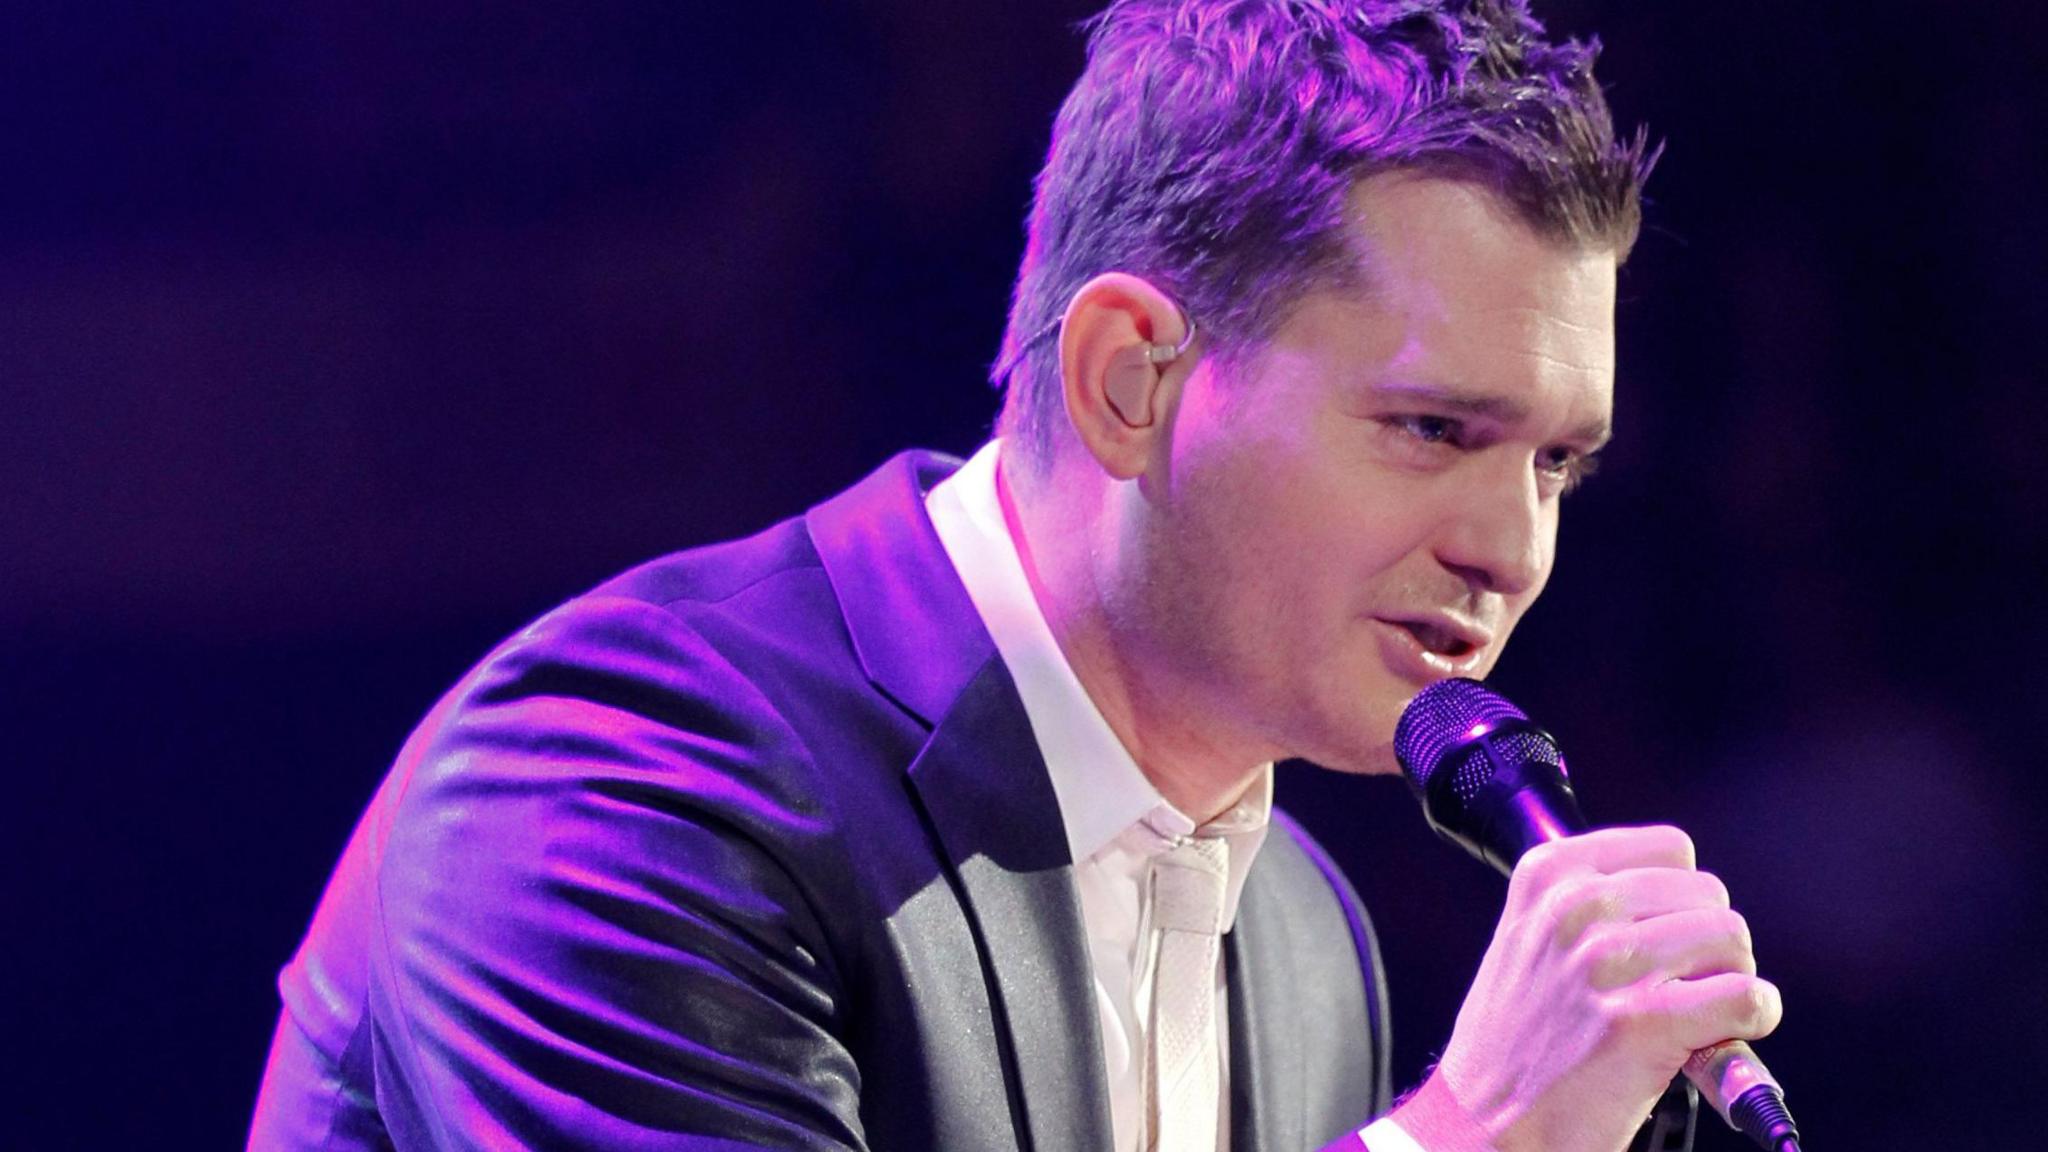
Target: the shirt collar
pixel 1101 790
pixel 1242 825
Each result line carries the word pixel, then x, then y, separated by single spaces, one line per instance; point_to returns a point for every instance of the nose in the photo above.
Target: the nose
pixel 1500 534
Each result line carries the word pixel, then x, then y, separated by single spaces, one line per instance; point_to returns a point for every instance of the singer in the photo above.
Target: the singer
pixel 939 816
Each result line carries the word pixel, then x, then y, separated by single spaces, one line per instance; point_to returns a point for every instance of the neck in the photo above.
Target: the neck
pixel 1198 766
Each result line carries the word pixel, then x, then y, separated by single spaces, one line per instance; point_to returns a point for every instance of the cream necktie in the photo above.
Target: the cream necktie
pixel 1187 920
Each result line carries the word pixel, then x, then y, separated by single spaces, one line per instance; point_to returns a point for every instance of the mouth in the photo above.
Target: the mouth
pixel 1443 645
pixel 1438 638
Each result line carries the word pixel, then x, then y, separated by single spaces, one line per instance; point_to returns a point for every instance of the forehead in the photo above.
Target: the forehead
pixel 1454 288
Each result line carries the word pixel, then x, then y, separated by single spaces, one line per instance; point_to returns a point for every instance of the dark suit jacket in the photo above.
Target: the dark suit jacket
pixel 753 847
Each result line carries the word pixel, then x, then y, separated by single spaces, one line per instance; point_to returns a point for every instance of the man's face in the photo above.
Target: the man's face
pixel 1369 503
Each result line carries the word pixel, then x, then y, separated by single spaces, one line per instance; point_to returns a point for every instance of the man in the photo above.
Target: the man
pixel 940 817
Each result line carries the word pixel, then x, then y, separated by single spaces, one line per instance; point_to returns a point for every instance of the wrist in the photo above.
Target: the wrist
pixel 1432 1115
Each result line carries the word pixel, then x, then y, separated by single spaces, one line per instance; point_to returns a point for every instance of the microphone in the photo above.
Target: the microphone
pixel 1494 784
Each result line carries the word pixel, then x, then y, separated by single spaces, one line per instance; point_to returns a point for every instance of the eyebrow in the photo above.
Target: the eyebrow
pixel 1596 432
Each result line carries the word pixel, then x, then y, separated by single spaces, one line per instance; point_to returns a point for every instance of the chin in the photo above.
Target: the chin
pixel 1377 760
pixel 1342 719
pixel 1355 744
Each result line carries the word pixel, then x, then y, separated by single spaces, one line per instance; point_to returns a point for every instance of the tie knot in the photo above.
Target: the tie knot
pixel 1187 886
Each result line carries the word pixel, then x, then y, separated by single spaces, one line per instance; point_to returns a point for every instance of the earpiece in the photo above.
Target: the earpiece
pixel 1128 391
pixel 1163 354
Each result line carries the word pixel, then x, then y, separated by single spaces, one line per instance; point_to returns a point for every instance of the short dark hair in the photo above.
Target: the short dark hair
pixel 1209 146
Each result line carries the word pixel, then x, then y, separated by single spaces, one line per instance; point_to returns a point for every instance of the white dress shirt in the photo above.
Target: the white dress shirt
pixel 1115 820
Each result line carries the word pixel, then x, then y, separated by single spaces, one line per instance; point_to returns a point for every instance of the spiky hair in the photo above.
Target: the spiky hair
pixel 1209 146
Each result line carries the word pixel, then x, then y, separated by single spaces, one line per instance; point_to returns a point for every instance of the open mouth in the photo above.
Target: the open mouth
pixel 1438 640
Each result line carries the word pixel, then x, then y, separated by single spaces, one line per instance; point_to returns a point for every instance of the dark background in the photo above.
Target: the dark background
pixel 339 339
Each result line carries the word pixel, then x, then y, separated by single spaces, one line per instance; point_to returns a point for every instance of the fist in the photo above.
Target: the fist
pixel 1615 958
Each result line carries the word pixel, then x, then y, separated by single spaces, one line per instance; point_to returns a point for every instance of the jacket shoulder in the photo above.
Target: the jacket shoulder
pixel 708 575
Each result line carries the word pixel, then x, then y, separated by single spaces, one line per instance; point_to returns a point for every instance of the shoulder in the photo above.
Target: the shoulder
pixel 642 802
pixel 686 675
pixel 694 626
pixel 784 590
pixel 694 711
pixel 706 675
pixel 713 575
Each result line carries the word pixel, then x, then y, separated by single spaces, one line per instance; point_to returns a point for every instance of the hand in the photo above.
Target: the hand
pixel 1614 959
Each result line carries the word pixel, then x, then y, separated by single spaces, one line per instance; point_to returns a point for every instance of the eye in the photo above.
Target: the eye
pixel 1429 429
pixel 1568 467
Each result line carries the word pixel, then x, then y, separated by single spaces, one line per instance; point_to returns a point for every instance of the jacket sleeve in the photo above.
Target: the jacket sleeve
pixel 597 907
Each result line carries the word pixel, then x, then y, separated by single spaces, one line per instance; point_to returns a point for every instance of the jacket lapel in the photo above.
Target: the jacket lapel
pixel 982 787
pixel 915 631
pixel 985 790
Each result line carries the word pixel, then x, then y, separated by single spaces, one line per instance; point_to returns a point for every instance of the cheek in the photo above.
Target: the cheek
pixel 1276 511
pixel 1229 571
pixel 1299 543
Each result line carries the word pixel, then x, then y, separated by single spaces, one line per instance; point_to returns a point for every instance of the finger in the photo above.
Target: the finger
pixel 1604 851
pixel 1647 893
pixel 1580 903
pixel 1685 945
pixel 1709 1010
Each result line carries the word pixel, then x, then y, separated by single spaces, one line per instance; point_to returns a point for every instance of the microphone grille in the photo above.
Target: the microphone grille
pixel 1489 780
pixel 1444 716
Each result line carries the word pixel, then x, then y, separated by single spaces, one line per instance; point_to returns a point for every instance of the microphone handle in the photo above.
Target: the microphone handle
pixel 1738 1086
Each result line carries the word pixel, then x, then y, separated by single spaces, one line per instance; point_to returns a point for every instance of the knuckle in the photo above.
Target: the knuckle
pixel 1734 941
pixel 1605 900
pixel 1584 954
pixel 1571 893
pixel 1737 928
pixel 1714 891
pixel 1528 880
pixel 1628 1022
pixel 1541 865
pixel 1575 904
pixel 1554 909
pixel 1611 1013
pixel 1679 845
pixel 1760 1008
pixel 1609 958
pixel 1554 897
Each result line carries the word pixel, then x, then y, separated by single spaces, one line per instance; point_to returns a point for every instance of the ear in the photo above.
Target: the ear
pixel 1117 368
